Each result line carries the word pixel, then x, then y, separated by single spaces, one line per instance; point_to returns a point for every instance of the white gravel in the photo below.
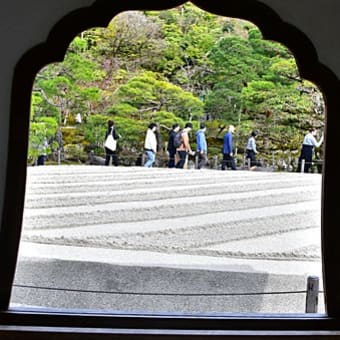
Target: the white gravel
pixel 239 214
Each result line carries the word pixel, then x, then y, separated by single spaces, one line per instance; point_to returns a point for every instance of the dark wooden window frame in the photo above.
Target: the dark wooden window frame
pixel 195 326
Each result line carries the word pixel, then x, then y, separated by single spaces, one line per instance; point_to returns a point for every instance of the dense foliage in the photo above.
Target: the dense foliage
pixel 172 66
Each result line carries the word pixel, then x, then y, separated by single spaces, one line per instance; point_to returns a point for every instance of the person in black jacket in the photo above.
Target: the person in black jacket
pixel 171 147
pixel 111 153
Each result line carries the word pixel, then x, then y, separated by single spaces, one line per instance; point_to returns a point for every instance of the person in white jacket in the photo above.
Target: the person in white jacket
pixel 150 145
pixel 308 146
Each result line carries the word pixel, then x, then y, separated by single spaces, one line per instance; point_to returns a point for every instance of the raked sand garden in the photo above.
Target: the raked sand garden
pixel 168 223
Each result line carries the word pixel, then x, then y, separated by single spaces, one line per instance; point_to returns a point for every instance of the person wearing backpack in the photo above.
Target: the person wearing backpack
pixel 173 143
pixel 150 145
pixel 202 148
pixel 184 147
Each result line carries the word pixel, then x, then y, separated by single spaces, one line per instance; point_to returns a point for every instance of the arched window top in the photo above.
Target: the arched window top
pixel 102 12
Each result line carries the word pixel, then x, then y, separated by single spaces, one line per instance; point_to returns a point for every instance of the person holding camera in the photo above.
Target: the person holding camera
pixel 308 146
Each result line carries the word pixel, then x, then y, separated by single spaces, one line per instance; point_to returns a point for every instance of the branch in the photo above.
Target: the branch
pixel 148 109
pixel 294 78
pixel 165 127
pixel 46 98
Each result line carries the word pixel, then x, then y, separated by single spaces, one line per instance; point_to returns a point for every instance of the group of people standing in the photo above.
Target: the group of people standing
pixel 179 147
pixel 179 144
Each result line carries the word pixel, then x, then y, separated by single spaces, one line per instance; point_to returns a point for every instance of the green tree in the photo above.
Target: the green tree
pixel 130 42
pixel 68 88
pixel 150 93
pixel 189 34
pixel 179 65
pixel 42 132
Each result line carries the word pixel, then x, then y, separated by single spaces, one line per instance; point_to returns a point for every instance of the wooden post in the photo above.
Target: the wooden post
pixel 302 165
pixel 59 156
pixel 312 294
pixel 312 168
pixel 143 159
pixel 215 162
pixel 248 163
pixel 186 161
pixel 196 161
